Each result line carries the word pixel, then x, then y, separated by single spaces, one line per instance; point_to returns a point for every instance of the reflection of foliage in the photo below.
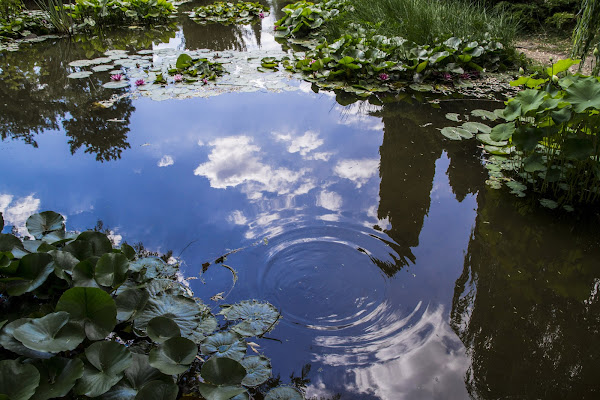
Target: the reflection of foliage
pixel 9 8
pixel 526 305
pixel 229 13
pixel 102 131
pixel 114 12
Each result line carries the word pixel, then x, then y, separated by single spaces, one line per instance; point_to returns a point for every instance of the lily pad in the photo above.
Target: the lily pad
pixel 52 333
pixel 485 114
pixel 551 204
pixel 224 344
pixel 453 117
pixel 160 329
pixel 183 310
pixel 8 341
pixel 18 381
pixel 80 75
pixel 454 133
pixel 475 127
pixel 174 356
pixel 257 318
pixel 44 223
pixel 81 63
pixel 105 364
pixel 258 370
pixel 129 302
pixel 100 243
pixel 57 377
pixel 111 269
pixel 116 84
pixel 32 271
pixel 102 68
pixel 223 371
pixel 284 393
pixel 91 307
pixel 213 392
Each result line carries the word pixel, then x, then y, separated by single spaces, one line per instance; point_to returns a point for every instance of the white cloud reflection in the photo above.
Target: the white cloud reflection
pixel 358 171
pixel 330 200
pixel 166 161
pixel 16 212
pixel 301 144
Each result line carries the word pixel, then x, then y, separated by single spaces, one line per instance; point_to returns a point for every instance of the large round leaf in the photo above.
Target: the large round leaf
pixel 18 381
pixel 139 374
pixel 208 324
pixel 33 270
pixel 57 377
pixel 100 243
pixel 111 269
pixel 45 222
pixel 8 341
pixel 456 133
pixel 8 242
pixel 92 307
pixel 284 393
pixel 257 318
pixel 83 274
pixel 158 390
pixel 80 249
pixel 258 370
pixel 52 333
pixel 584 94
pixel 174 356
pixel 223 371
pixel 502 132
pixel 129 302
pixel 106 362
pixel 160 329
pixel 64 262
pixel 183 310
pixel 225 344
pixel 212 392
pixel 152 267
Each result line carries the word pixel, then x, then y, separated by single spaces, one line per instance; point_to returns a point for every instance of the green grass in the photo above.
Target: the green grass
pixel 427 21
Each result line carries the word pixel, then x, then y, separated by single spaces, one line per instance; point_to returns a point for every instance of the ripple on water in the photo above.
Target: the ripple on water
pixel 333 279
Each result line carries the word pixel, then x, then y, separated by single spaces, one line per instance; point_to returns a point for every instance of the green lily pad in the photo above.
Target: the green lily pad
pixel 158 390
pixel 100 243
pixel 32 271
pixel 485 138
pixel 223 371
pixel 111 269
pixel 484 114
pixel 116 84
pixel 258 370
pixel 183 310
pixel 57 377
pixel 453 133
pixel 160 329
pixel 92 307
pixel 475 127
pixel 64 263
pixel 453 117
pixel 502 132
pixel 257 318
pixel 80 75
pixel 129 302
pixel 8 341
pixel 105 364
pixel 213 392
pixel 8 242
pixel 45 222
pixel 208 324
pixel 174 356
pixel 18 381
pixel 103 67
pixel 284 393
pixel 81 63
pixel 224 344
pixel 128 251
pixel 83 274
pixel 551 204
pixel 52 333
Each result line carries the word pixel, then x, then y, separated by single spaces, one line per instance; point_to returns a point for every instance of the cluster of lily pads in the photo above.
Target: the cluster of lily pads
pixel 81 318
pixel 229 13
pixel 90 13
pixel 362 62
pixel 549 138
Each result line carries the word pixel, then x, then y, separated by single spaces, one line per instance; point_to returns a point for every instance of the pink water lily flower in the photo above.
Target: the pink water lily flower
pixel 116 77
pixel 205 81
pixel 383 76
pixel 261 15
pixel 178 78
pixel 140 82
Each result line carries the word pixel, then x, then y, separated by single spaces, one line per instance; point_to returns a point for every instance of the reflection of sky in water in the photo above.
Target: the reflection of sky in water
pixel 303 172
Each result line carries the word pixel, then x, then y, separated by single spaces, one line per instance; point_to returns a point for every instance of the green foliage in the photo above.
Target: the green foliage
pixel 229 13
pixel 90 13
pixel 549 138
pixel 9 9
pixel 194 69
pixel 303 17
pixel 72 300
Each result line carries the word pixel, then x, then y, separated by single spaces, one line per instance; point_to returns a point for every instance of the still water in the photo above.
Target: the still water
pixel 399 274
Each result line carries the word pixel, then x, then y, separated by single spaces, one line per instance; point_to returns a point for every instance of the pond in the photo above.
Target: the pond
pixel 398 272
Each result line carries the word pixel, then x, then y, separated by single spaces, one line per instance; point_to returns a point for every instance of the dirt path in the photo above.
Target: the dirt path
pixel 541 48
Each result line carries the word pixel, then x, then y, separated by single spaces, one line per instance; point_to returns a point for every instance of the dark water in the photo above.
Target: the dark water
pixel 399 274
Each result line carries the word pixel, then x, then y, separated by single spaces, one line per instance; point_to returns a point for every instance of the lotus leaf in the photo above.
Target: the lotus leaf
pixel 8 341
pixel 160 329
pixel 225 344
pixel 183 310
pixel 526 138
pixel 534 163
pixel 561 116
pixel 456 133
pixel 158 390
pixel 111 269
pixel 257 318
pixel 57 377
pixel 212 392
pixel 223 371
pixel 64 263
pixel 502 132
pixel 105 364
pixel 561 66
pixel 284 393
pixel 18 381
pixel 485 138
pixel 512 110
pixel 83 274
pixel 174 356
pixel 128 251
pixel 258 370
pixel 577 149
pixel 32 271
pixel 80 249
pixel 45 222
pixel 92 307
pixel 52 333
pixel 530 100
pixel 100 243
pixel 129 302
pixel 8 242
pixel 584 94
